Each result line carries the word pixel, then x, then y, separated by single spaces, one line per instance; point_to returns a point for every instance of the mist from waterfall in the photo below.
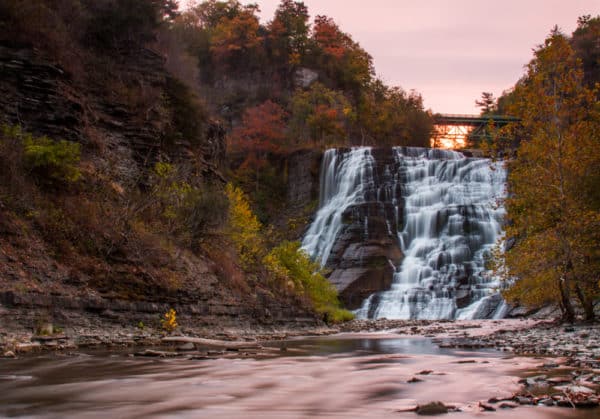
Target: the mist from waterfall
pixel 450 213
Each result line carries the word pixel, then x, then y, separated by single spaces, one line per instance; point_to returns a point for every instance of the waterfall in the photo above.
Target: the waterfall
pixel 345 176
pixel 448 215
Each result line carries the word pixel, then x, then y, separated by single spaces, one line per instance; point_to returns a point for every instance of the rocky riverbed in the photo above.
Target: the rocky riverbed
pixel 564 370
pixel 571 379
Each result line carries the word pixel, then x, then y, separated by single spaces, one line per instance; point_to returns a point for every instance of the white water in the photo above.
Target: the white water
pixel 344 179
pixel 452 217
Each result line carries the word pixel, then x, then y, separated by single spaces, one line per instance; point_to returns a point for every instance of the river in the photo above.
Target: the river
pixel 341 376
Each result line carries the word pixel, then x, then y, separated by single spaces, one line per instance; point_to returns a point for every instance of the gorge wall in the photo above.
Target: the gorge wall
pixel 77 255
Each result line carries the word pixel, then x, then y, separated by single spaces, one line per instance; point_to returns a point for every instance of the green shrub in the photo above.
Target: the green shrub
pixel 193 211
pixel 289 264
pixel 52 161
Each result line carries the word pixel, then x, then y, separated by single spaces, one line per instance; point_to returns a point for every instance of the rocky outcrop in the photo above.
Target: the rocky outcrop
pixel 25 311
pixel 36 93
pixel 303 178
pixel 366 252
pixel 130 125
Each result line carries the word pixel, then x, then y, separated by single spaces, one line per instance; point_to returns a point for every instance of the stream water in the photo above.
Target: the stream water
pixel 344 376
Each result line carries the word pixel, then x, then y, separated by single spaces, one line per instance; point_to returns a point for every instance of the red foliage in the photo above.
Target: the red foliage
pixel 262 130
pixel 328 37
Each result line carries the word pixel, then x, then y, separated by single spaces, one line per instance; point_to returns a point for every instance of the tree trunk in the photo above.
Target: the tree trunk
pixel 565 297
pixel 586 303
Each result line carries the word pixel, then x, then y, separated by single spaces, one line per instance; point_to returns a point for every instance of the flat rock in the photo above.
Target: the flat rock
pixel 212 342
pixel 560 379
pixel 188 346
pixel 159 354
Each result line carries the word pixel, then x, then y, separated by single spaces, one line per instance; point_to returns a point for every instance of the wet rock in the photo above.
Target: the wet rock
pixel 564 402
pixel 587 402
pixel 550 365
pixel 432 408
pixel 414 380
pixel 547 401
pixel 577 390
pixel 189 346
pixel 487 407
pixel 9 354
pixel 559 380
pixel 523 400
pixel 154 353
pixel 27 347
pixel 425 372
pixel 507 405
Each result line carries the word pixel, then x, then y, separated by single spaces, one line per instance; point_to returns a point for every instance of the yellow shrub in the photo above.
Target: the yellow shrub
pixel 169 320
pixel 244 228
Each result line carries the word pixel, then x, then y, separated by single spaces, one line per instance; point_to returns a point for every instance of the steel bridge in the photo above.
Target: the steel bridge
pixel 458 128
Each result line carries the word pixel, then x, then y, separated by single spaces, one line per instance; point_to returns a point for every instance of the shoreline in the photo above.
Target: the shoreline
pixel 567 377
pixel 518 336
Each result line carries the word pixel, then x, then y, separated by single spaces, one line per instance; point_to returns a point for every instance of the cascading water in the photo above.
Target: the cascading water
pixel 345 178
pixel 447 208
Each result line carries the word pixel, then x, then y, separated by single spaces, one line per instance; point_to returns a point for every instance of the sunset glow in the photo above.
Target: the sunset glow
pixel 450 136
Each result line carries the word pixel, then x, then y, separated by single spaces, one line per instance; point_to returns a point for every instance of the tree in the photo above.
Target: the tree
pixel 319 115
pixel 487 103
pixel 554 212
pixel 263 130
pixel 288 32
pixel 586 43
pixel 121 23
pixel 389 116
pixel 343 60
pixel 236 41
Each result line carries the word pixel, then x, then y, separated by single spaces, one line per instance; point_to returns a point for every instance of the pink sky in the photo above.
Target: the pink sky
pixel 449 50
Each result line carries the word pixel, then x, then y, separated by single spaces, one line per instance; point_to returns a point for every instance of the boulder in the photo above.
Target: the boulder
pixel 432 408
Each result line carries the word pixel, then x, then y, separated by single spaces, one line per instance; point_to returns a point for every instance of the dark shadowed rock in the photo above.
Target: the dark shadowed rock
pixel 433 408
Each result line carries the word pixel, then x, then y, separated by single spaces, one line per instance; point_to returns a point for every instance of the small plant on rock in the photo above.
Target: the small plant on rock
pixel 169 321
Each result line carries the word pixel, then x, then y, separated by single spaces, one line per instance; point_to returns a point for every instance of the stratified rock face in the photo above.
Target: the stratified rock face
pixel 30 93
pixel 406 232
pixel 44 99
pixel 303 178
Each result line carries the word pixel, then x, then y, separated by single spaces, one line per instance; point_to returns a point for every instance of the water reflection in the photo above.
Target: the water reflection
pixel 384 344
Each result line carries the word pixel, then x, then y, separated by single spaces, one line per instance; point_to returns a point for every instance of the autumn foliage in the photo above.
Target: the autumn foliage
pixel 554 203
pixel 263 129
